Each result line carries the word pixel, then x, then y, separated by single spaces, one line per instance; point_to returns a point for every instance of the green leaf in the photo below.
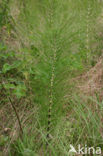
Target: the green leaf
pixel 3 55
pixel 16 64
pixel 9 86
pixel 3 47
pixel 6 68
pixel 20 91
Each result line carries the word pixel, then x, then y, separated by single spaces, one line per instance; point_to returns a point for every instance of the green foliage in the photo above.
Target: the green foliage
pixel 55 44
pixel 82 126
pixel 26 147
pixel 4 13
pixel 20 91
pixel 3 140
pixel 6 68
pixel 60 29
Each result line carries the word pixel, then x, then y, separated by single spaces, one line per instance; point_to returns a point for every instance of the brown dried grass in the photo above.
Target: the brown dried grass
pixel 91 82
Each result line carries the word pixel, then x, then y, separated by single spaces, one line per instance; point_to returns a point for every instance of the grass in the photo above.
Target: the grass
pixel 54 43
pixel 82 126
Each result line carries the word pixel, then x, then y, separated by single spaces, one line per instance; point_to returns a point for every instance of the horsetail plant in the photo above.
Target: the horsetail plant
pixel 53 31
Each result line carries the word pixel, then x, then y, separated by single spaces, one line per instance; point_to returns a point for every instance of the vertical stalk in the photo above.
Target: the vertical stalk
pixel 51 95
pixel 16 113
pixel 50 17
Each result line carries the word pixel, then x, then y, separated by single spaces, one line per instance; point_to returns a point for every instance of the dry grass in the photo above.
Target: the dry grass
pixel 91 82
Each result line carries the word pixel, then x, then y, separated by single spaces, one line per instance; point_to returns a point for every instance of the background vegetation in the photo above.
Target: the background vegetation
pixel 50 52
